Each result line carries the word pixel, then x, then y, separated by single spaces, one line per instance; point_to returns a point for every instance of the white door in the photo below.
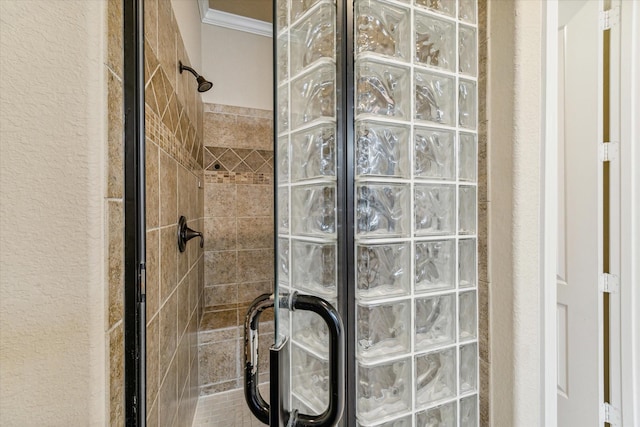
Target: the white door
pixel 579 223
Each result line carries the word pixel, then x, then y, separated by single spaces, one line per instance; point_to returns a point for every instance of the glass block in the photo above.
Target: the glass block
pixel 467 315
pixel 309 378
pixel 435 265
pixel 467 210
pixel 282 321
pixel 383 329
pixel 300 7
pixel 313 38
pixel 283 260
pixel 310 330
pixel 439 416
pixel 283 57
pixel 468 368
pixel 283 210
pixel 469 411
pixel 383 270
pixel 468 157
pixel 282 123
pixel 435 321
pixel 383 390
pixel 445 7
pixel 313 210
pixel 434 97
pixel 382 210
pixel 383 29
pixel 435 376
pixel 282 161
pixel 467 263
pixel 467 50
pixel 434 154
pixel 435 208
pixel 313 96
pixel 435 42
pixel 314 268
pixel 467 104
pixel 400 422
pixel 467 10
pixel 382 149
pixel 313 153
pixel 382 89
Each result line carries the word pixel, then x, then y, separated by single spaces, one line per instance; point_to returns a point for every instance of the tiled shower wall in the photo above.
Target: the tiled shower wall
pixel 238 224
pixel 174 170
pixel 174 156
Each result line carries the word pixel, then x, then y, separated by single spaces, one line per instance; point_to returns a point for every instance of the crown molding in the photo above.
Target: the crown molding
pixel 234 22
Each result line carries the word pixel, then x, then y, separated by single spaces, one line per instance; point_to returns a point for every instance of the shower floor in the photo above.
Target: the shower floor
pixel 226 409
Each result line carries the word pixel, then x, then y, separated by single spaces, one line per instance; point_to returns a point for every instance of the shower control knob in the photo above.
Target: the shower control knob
pixel 185 234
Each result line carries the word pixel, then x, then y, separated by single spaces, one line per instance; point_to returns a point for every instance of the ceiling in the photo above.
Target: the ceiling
pixel 256 9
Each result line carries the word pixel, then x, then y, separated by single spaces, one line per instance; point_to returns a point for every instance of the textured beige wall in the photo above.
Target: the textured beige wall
pixel 240 66
pixel 52 257
pixel 514 135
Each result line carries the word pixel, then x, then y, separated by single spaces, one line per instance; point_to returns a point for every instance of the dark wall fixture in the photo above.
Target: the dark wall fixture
pixel 203 84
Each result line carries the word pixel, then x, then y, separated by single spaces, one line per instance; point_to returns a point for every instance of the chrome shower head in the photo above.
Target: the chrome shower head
pixel 203 84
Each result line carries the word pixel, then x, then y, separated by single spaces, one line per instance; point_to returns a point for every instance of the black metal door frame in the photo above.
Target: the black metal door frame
pixel 134 215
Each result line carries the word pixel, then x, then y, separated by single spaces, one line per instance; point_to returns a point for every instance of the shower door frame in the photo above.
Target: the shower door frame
pixel 134 215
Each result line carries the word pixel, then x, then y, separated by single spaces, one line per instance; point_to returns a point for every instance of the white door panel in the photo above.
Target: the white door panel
pixel 580 218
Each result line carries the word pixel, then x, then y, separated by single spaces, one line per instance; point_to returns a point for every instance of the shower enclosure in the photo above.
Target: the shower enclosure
pixel 376 154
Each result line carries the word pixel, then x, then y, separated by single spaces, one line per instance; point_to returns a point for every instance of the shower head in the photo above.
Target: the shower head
pixel 203 84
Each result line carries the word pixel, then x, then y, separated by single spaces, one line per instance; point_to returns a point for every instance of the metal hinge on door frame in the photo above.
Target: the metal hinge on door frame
pixel 608 151
pixel 609 18
pixel 609 414
pixel 608 283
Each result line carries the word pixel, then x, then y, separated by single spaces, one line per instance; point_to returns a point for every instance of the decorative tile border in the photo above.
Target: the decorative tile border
pixel 223 159
pixel 187 154
pixel 226 177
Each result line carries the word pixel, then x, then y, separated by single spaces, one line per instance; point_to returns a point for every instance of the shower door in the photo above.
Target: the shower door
pixel 376 154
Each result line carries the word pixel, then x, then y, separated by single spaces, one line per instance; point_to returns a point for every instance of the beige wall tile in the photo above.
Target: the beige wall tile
pixel 168 396
pixel 153 273
pixel 152 415
pixel 206 390
pixel 151 63
pixel 220 128
pixel 184 311
pixel 167 29
pixel 218 362
pixel 153 360
pixel 116 261
pixel 255 200
pixel 219 319
pixel 168 332
pixel 220 295
pixel 255 265
pixel 247 292
pixel 220 233
pixel 220 200
pixel 168 190
pixel 168 261
pixel 220 267
pixel 255 233
pixel 183 363
pixel 151 23
pixel 483 321
pixel 152 184
pixel 256 133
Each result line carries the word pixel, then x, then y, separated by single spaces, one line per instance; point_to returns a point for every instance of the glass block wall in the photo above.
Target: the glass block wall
pixel 416 137
pixel 306 192
pixel 415 157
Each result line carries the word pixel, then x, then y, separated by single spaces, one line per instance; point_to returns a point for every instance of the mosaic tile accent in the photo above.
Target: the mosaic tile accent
pixel 237 178
pixel 240 160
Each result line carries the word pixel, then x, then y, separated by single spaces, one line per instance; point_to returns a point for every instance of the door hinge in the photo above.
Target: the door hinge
pixel 609 414
pixel 609 283
pixel 609 18
pixel 142 279
pixel 608 151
